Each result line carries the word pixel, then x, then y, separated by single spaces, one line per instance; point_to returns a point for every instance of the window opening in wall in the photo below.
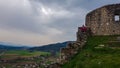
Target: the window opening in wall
pixel 117 18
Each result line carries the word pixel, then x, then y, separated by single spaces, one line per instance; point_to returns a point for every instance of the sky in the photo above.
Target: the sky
pixel 41 22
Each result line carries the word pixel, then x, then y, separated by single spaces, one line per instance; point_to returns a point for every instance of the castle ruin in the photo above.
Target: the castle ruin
pixel 104 20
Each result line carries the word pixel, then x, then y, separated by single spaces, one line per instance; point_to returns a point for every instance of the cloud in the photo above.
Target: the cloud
pixel 43 21
pixel 24 38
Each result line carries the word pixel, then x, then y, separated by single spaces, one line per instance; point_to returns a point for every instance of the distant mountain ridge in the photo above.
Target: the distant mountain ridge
pixel 53 48
pixel 10 46
pixel 5 47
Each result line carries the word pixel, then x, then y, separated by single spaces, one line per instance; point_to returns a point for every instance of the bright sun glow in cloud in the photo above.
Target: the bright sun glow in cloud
pixel 46 11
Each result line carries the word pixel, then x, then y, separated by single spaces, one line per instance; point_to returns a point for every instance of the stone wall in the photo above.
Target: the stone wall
pixel 71 50
pixel 74 47
pixel 102 21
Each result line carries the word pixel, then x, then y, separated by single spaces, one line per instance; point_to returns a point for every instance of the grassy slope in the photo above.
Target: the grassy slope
pixel 90 57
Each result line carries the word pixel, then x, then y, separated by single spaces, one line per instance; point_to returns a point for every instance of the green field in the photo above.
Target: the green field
pixel 21 57
pixel 97 53
pixel 13 54
pixel 26 53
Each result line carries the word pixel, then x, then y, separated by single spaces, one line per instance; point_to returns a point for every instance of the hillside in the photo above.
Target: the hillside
pixel 46 48
pixel 99 52
pixel 54 48
pixel 10 47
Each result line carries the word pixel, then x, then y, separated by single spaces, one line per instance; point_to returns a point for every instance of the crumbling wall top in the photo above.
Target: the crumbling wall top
pixel 104 20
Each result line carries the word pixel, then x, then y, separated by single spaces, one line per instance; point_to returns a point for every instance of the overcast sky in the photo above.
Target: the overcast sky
pixel 39 22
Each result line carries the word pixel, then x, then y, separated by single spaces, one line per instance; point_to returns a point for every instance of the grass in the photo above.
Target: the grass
pixel 22 53
pixel 15 54
pixel 26 53
pixel 90 57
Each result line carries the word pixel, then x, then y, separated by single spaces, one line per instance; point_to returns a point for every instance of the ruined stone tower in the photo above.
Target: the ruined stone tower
pixel 104 20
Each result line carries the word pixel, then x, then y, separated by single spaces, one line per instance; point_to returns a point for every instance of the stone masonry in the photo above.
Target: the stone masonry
pixel 104 20
pixel 74 47
pixel 71 50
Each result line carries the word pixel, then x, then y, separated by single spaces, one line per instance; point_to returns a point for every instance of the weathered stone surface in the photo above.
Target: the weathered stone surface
pixel 70 50
pixel 102 21
pixel 73 47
